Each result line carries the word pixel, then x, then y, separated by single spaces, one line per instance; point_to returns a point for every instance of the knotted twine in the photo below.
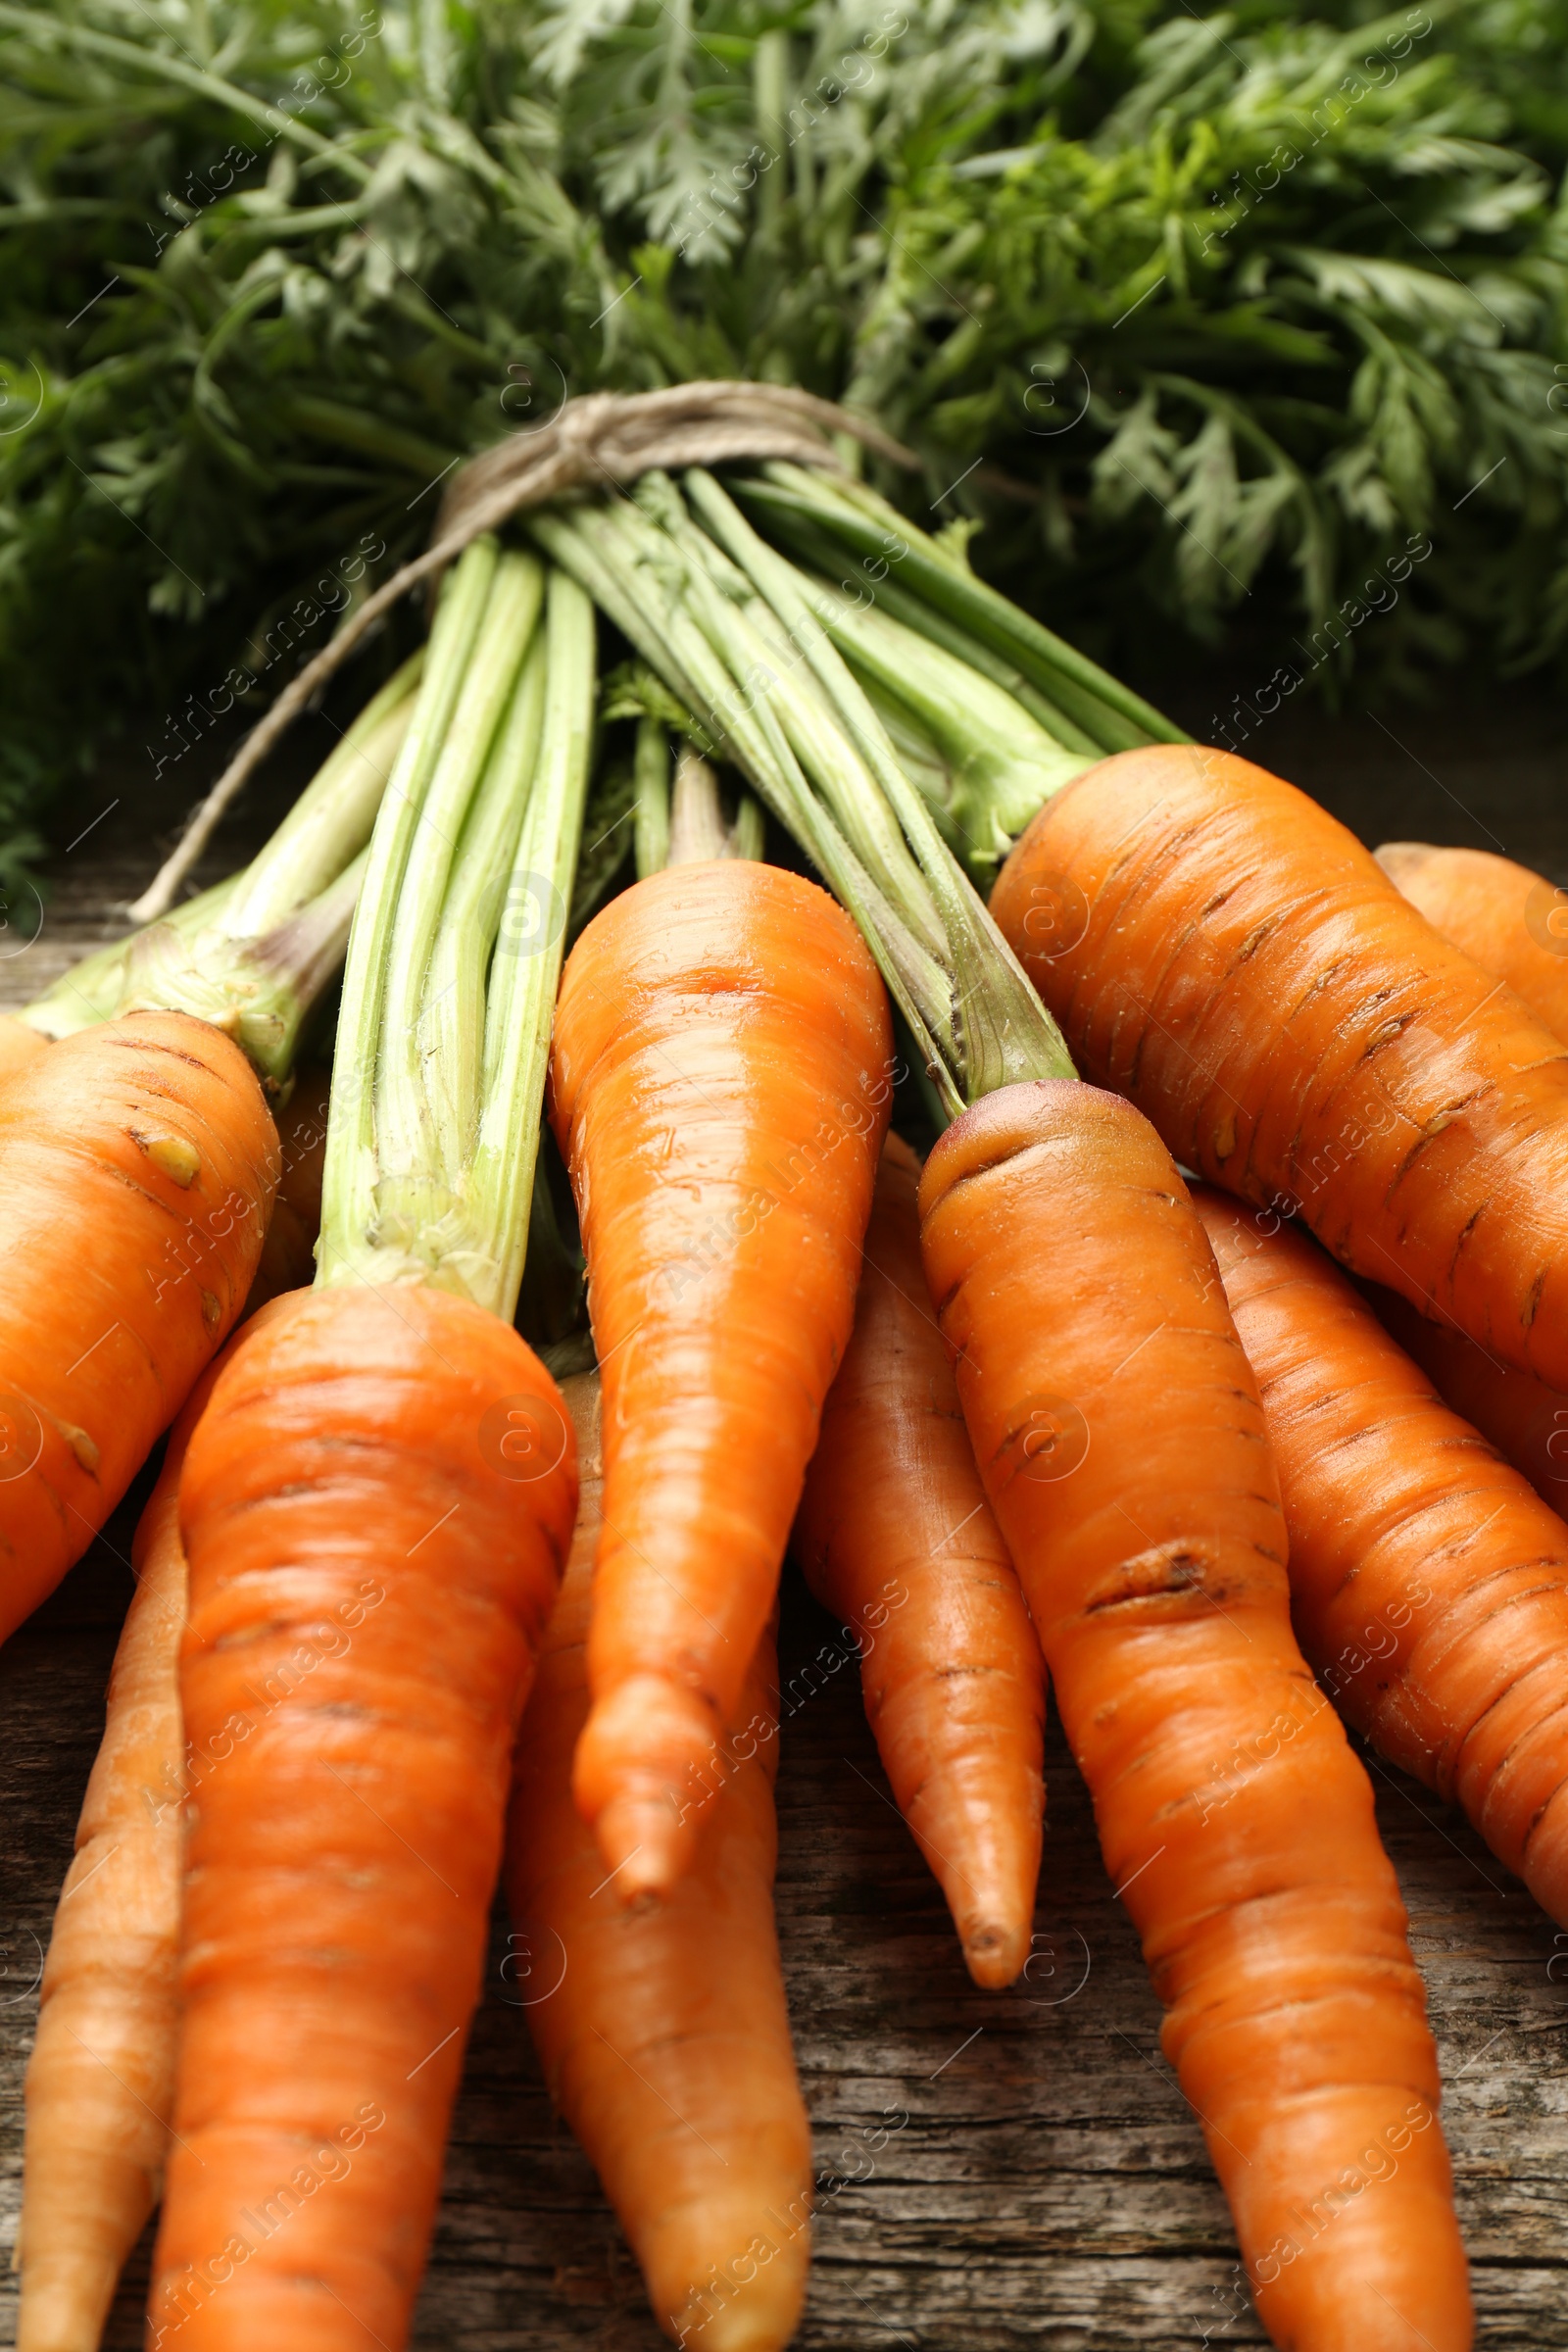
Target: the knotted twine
pixel 597 440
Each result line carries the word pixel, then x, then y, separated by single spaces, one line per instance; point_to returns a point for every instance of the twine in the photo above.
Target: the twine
pixel 599 439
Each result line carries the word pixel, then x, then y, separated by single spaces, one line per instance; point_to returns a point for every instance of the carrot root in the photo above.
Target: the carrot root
pixel 101 2078
pixel 665 2042
pixel 1428 1583
pixel 720 1089
pixel 1220 950
pixel 137 1166
pixel 896 1534
pixel 1119 1433
pixel 369 1580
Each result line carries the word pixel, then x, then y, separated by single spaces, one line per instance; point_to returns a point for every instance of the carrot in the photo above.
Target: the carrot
pixel 101 2078
pixel 895 1534
pixel 1121 1441
pixel 288 1253
pixel 1430 1583
pixel 1526 1421
pixel 720 1089
pixel 137 1164
pixel 376 1506
pixel 367 1583
pixel 19 1046
pixel 1221 950
pixel 1512 922
pixel 663 2032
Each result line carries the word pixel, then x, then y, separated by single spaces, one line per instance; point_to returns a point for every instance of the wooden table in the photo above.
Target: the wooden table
pixel 1049 2185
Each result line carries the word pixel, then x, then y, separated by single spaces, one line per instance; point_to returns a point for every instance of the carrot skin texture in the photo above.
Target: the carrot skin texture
pixel 1511 923
pixel 368 1582
pixel 1222 951
pixel 288 1253
pixel 1526 1421
pixel 665 2042
pixel 720 1089
pixel 101 2078
pixel 1428 1583
pixel 895 1534
pixel 19 1047
pixel 1507 919
pixel 138 1166
pixel 1119 1433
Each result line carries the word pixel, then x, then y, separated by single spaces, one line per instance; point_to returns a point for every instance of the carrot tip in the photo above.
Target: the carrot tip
pixel 646 1848
pixel 995 1952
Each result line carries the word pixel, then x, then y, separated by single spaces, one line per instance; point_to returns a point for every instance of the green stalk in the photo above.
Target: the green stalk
pixel 747 835
pixel 742 720
pixel 333 817
pixel 46 27
pixel 415 1146
pixel 89 992
pixel 815 549
pixel 1004 765
pixel 704 647
pixel 736 619
pixel 1002 1030
pixel 973 1016
pixel 652 821
pixel 450 1025
pixel 697 828
pixel 273 938
pixel 447 997
pixel 1110 713
pixel 350 1221
pixel 527 971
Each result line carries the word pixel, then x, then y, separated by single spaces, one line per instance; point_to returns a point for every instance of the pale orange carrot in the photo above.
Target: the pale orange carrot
pixel 101 2078
pixel 896 1534
pixel 720 1086
pixel 662 2030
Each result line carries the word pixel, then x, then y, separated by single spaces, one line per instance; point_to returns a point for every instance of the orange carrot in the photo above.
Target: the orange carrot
pixel 1120 1436
pixel 895 1534
pixel 375 1508
pixel 1526 1421
pixel 1430 1584
pixel 369 1580
pixel 1221 950
pixel 19 1046
pixel 137 1163
pixel 1512 922
pixel 101 2078
pixel 288 1253
pixel 719 1090
pixel 663 2032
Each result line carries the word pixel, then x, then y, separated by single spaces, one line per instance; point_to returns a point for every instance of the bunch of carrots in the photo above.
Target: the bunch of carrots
pixel 1209 1370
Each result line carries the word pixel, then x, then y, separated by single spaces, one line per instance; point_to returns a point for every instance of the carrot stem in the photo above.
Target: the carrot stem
pixel 729 629
pixel 527 967
pixel 450 1028
pixel 273 938
pixel 633 583
pixel 486 757
pixel 1109 712
pixel 1004 765
pixel 331 820
pixel 89 992
pixel 456 949
pixel 826 558
pixel 652 821
pixel 697 827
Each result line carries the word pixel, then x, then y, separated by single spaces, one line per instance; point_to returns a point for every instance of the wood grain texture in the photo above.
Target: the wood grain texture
pixel 1049 2186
